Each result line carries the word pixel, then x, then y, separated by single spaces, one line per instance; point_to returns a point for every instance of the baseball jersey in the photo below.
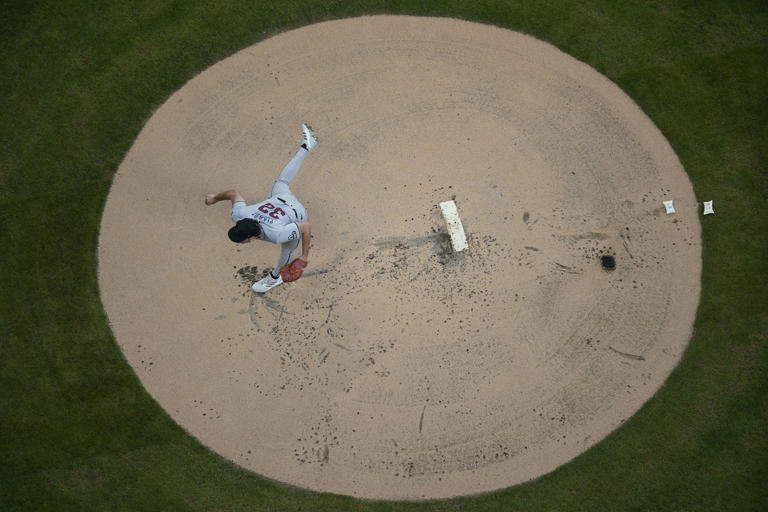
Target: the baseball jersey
pixel 277 219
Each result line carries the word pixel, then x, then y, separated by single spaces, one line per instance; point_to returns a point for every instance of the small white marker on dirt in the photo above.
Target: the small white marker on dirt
pixel 669 206
pixel 455 229
pixel 708 208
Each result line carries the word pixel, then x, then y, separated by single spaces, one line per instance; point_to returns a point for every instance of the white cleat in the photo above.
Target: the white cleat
pixel 308 136
pixel 266 284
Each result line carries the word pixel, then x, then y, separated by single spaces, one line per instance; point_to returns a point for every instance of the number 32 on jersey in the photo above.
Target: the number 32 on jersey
pixel 270 210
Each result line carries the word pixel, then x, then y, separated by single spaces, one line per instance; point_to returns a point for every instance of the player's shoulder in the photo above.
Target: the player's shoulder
pixel 239 210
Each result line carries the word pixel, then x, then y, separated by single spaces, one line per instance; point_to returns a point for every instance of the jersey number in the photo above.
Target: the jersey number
pixel 270 209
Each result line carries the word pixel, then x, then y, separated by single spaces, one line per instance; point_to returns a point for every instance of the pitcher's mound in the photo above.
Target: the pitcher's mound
pixel 396 368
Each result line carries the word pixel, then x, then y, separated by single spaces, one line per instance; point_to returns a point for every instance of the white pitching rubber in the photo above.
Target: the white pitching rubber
pixel 455 229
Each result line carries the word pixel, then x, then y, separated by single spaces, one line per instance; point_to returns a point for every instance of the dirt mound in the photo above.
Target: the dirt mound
pixel 395 368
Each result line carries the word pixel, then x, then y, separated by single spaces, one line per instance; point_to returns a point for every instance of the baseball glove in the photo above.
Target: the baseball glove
pixel 293 270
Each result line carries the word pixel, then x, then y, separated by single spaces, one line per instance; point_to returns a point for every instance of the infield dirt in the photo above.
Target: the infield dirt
pixel 395 368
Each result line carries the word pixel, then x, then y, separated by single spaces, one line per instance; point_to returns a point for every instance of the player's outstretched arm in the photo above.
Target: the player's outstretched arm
pixel 232 195
pixel 305 239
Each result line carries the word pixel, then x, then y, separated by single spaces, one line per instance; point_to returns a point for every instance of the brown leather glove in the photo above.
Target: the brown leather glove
pixel 293 270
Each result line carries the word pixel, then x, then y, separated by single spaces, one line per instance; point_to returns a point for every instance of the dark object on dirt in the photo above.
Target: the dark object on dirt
pixel 608 262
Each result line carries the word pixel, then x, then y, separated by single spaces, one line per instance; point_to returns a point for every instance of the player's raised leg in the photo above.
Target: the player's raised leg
pixel 290 171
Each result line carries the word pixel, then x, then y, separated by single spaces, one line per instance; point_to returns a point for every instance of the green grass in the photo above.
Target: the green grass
pixel 77 430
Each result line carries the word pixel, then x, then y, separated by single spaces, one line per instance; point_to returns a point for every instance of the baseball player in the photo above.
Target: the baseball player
pixel 281 219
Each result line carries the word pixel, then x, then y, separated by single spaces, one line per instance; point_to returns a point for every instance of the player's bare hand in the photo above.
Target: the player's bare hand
pixel 210 199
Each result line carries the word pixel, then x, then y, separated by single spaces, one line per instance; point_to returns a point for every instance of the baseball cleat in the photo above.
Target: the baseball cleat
pixel 308 135
pixel 266 284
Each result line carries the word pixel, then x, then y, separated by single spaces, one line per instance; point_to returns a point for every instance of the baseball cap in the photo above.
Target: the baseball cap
pixel 244 229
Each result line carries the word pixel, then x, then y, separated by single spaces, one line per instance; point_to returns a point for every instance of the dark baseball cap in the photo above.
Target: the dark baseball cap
pixel 243 230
